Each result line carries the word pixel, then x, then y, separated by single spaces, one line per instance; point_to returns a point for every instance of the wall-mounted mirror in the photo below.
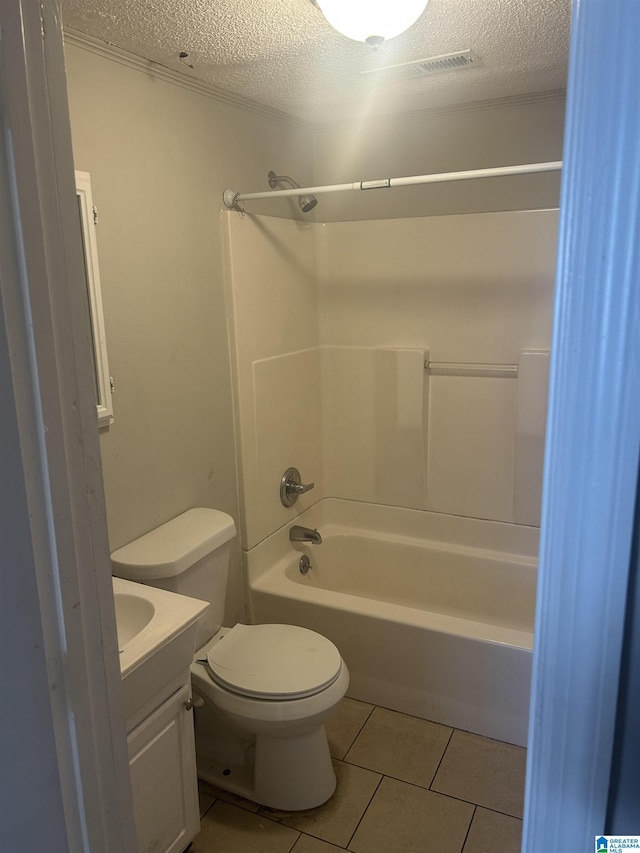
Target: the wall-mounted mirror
pixel 103 382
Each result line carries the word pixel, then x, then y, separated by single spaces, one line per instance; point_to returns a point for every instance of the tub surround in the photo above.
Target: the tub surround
pixel 331 327
pixel 433 614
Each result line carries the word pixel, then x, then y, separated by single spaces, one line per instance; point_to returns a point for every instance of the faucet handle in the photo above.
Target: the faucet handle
pixel 300 488
pixel 291 486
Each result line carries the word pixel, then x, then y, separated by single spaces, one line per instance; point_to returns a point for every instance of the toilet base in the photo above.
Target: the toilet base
pixel 288 774
pixel 274 751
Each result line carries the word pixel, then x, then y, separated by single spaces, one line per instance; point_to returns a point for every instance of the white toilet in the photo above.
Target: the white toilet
pixel 261 692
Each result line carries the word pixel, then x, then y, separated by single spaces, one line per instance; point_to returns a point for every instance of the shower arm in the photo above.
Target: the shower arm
pixel 231 197
pixel 274 180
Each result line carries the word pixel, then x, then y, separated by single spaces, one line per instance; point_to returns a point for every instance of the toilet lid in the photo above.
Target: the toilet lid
pixel 274 661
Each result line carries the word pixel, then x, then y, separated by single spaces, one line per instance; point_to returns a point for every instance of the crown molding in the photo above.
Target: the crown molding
pixel 168 75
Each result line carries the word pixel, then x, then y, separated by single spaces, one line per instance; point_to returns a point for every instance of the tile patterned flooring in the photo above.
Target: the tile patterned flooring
pixel 405 785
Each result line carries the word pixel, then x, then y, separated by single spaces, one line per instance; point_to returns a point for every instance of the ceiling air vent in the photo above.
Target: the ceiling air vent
pixel 424 67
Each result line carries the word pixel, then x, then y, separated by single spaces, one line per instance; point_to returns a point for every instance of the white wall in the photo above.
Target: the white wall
pixel 160 155
pixel 475 136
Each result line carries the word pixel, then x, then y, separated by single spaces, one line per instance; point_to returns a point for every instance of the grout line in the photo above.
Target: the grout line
pixel 364 812
pixel 237 804
pixel 444 752
pixel 295 843
pixel 468 830
pixel 486 737
pixel 357 735
pixel 208 808
pixel 415 717
pixel 432 791
pixel 415 785
pixel 316 838
pixel 495 811
pixel 400 779
pixel 444 725
pixel 470 803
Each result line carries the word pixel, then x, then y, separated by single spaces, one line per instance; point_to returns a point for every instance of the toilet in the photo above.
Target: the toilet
pixel 261 692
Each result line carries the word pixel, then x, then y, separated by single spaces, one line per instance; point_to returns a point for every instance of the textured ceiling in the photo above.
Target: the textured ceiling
pixel 283 54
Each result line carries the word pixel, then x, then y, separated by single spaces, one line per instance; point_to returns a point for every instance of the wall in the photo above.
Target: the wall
pixel 333 324
pixel 160 154
pixel 511 132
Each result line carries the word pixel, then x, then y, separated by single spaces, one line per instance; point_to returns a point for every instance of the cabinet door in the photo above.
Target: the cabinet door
pixel 163 777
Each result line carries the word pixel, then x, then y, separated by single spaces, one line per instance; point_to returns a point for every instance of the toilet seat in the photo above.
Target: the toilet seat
pixel 274 662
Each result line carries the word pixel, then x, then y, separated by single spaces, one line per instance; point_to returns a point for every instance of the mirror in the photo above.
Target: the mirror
pixel 88 217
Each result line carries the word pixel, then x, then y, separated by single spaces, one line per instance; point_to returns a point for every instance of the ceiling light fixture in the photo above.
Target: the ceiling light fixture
pixel 372 21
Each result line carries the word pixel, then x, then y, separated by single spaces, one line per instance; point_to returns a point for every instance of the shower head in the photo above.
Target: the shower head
pixel 306 202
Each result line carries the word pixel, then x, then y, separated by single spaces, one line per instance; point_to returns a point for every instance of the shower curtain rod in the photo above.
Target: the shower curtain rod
pixel 231 197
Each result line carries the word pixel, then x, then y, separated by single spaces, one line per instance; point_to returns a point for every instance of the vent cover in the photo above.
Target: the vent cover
pixel 424 67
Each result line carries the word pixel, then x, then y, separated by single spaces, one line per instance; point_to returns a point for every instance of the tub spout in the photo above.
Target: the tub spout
pixel 305 534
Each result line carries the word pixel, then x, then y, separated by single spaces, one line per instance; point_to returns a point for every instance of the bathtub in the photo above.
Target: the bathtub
pixel 433 614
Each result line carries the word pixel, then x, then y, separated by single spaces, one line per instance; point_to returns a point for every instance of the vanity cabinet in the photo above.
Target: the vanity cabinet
pixel 162 760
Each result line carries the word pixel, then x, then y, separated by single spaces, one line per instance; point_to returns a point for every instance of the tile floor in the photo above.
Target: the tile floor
pixel 404 785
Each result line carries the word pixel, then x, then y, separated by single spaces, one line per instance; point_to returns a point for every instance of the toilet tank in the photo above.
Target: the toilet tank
pixel 188 555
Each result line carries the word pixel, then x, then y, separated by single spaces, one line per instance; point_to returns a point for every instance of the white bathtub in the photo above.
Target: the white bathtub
pixel 433 614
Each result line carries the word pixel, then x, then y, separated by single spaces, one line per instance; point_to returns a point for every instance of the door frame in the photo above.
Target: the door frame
pixel 65 746
pixel 591 461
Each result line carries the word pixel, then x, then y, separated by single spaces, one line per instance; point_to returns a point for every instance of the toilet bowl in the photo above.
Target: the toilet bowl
pixel 269 689
pixel 261 692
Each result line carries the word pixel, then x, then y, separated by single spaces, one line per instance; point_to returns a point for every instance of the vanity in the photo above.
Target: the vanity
pixel 156 639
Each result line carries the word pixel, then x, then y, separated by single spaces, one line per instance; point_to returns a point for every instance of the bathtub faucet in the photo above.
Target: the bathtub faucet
pixel 305 534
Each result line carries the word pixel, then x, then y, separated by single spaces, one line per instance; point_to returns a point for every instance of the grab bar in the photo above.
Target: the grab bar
pixel 452 368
